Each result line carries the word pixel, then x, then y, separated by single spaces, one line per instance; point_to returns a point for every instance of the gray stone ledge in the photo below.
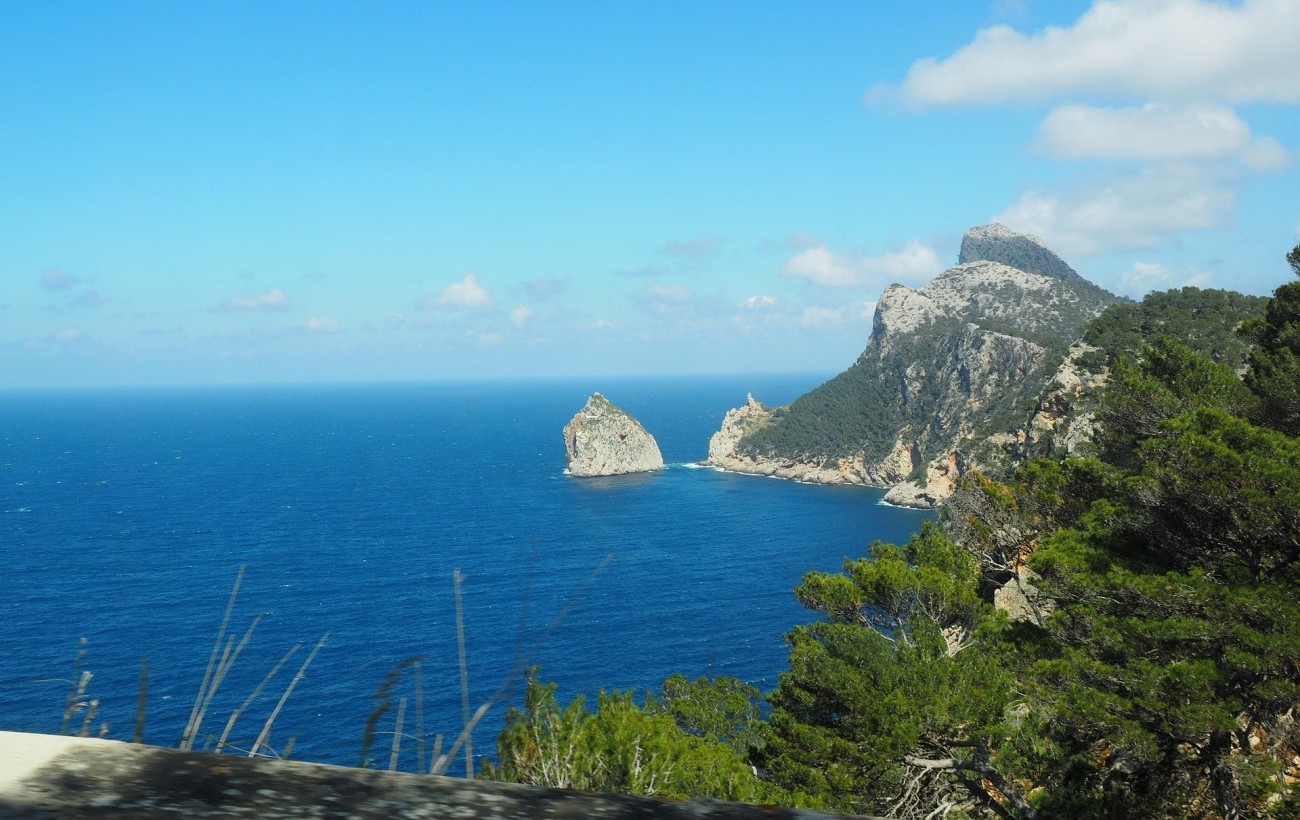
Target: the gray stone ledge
pixel 50 776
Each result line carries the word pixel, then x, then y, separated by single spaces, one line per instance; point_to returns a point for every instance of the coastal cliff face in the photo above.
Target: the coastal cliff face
pixel 953 377
pixel 602 439
pixel 725 453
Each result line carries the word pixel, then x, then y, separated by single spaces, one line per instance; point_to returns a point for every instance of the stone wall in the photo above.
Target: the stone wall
pixel 51 776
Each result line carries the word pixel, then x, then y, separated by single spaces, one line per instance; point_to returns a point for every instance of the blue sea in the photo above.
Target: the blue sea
pixel 125 516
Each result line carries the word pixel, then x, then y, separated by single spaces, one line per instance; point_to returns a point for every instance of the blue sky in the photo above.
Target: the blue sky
pixel 287 192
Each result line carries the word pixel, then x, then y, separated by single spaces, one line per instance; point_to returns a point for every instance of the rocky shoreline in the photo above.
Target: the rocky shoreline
pixel 889 473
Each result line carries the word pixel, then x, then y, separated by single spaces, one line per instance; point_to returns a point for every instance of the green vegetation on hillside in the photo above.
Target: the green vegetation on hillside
pixel 1204 320
pixel 1155 672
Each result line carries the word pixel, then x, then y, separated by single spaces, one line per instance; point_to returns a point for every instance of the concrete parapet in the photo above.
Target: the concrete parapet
pixel 51 776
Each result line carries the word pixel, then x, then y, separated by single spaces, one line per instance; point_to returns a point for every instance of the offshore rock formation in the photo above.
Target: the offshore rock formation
pixel 949 379
pixel 603 439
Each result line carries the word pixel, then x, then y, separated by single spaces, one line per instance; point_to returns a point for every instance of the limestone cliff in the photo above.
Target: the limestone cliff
pixel 948 381
pixel 603 439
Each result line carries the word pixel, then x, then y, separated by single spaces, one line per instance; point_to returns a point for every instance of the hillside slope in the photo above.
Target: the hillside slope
pixel 949 368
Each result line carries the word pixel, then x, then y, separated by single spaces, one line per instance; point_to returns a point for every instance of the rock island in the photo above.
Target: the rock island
pixel 603 439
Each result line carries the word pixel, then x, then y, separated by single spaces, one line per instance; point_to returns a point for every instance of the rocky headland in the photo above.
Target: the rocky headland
pixel 958 374
pixel 603 439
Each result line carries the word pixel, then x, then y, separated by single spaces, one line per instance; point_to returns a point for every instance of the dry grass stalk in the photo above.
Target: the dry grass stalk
pixel 228 658
pixel 234 716
pixel 418 669
pixel 302 672
pixel 191 726
pixel 458 578
pixel 441 762
pixel 397 736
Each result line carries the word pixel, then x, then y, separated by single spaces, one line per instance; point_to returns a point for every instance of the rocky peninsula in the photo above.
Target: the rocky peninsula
pixel 603 439
pixel 950 379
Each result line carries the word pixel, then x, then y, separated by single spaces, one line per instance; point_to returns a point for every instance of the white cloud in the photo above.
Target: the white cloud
pixel 520 315
pixel 58 280
pixel 467 293
pixel 68 335
pixel 1156 131
pixel 1145 277
pixel 273 299
pixel 1161 49
pixel 604 324
pixel 758 301
pixel 322 324
pixel 821 266
pixel 1123 212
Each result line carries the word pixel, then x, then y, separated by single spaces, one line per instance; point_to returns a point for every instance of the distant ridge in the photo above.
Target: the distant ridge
pixel 998 243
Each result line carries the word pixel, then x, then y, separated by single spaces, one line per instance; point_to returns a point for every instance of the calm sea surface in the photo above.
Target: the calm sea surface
pixel 125 516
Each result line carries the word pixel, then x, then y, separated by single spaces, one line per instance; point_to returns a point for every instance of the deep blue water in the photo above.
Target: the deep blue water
pixel 125 515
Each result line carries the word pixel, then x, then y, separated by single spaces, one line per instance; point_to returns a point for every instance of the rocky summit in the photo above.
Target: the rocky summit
pixel 948 381
pixel 603 439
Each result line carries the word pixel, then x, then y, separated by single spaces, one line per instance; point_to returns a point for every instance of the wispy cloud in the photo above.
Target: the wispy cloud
pixel 52 279
pixel 322 324
pixel 675 294
pixel 1123 211
pixel 92 298
pixel 544 288
pixel 273 299
pixel 832 318
pixel 520 315
pixel 646 272
pixel 758 301
pixel 695 247
pixel 1145 277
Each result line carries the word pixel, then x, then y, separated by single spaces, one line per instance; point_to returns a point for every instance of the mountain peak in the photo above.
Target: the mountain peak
pixel 998 243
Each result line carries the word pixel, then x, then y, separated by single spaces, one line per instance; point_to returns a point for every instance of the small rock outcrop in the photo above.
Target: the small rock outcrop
pixel 603 439
pixel 1022 600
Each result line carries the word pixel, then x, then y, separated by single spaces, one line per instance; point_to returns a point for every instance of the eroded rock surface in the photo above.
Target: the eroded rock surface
pixel 603 439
